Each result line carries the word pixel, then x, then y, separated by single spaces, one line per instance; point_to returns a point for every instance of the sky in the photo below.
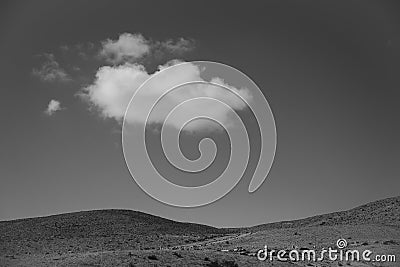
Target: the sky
pixel 329 71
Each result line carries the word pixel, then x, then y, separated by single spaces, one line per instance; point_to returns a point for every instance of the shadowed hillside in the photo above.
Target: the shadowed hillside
pixel 98 230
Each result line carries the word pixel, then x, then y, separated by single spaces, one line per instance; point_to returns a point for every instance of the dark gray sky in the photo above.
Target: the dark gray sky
pixel 329 71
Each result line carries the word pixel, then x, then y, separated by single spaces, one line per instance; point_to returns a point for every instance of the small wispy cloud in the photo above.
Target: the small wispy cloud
pixel 84 50
pixel 176 47
pixel 50 70
pixel 130 48
pixel 53 107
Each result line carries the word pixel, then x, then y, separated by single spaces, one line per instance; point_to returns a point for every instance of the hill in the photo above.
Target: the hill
pixel 131 238
pixel 98 230
pixel 381 212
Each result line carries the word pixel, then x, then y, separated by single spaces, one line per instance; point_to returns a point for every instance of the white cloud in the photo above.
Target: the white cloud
pixel 51 70
pixel 133 47
pixel 53 107
pixel 128 47
pixel 177 46
pixel 114 86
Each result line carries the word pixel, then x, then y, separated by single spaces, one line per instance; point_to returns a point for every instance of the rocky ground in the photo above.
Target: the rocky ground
pixel 130 238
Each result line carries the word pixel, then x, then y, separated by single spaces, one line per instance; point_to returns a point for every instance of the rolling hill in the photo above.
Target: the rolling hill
pixel 98 230
pixel 381 212
pixel 131 238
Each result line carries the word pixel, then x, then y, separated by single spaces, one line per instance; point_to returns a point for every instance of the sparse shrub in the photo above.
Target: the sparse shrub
pixel 152 257
pixel 214 264
pixel 391 242
pixel 177 255
pixel 230 264
pixel 224 263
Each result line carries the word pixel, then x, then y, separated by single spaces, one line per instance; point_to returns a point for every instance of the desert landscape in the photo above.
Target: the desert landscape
pixel 201 133
pixel 131 238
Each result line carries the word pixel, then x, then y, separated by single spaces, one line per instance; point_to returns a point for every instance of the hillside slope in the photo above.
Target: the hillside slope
pixel 96 231
pixel 122 237
pixel 382 212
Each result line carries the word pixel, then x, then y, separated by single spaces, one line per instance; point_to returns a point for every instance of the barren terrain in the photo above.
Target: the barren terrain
pixel 130 238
